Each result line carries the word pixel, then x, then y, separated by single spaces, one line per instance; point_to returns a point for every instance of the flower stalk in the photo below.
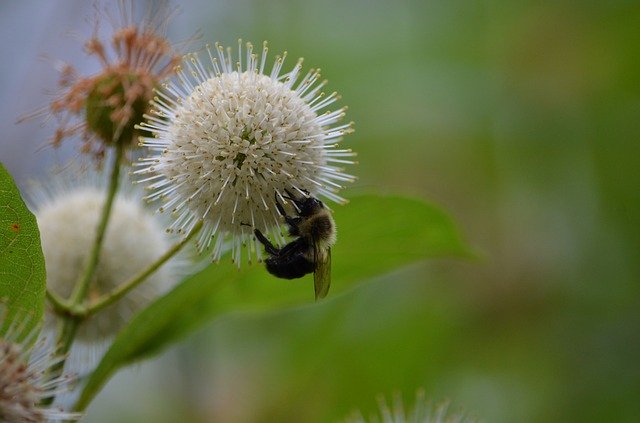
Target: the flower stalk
pixel 67 306
pixel 126 287
pixel 82 286
pixel 69 321
pixel 60 305
pixel 76 309
pixel 66 333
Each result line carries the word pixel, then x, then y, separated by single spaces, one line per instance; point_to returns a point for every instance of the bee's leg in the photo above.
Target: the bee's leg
pixel 268 246
pixel 293 222
pixel 293 197
pixel 297 201
pixel 280 208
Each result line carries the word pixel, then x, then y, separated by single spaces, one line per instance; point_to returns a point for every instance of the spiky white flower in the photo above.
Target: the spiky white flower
pixel 423 411
pixel 135 238
pixel 230 137
pixel 24 382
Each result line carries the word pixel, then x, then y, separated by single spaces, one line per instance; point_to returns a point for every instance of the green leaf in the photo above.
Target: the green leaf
pixel 22 271
pixel 154 327
pixel 376 234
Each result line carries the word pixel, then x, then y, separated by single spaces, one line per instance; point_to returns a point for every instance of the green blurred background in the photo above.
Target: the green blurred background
pixel 522 119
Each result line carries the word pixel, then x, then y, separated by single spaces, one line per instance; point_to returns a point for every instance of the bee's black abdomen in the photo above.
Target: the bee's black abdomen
pixel 291 266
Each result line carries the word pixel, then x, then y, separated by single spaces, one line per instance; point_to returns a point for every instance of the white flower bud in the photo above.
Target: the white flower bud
pixel 134 239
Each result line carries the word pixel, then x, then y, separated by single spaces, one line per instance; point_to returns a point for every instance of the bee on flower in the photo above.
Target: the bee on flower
pixel 231 138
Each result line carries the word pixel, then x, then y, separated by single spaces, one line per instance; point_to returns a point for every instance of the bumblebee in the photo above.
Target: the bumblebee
pixel 315 233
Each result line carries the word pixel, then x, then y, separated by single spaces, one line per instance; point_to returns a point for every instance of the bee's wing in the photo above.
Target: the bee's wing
pixel 322 272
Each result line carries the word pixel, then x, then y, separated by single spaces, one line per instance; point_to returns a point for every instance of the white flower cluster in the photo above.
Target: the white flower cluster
pixel 229 138
pixel 67 218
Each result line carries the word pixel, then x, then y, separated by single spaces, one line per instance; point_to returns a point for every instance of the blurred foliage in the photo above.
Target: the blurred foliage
pixel 425 232
pixel 523 120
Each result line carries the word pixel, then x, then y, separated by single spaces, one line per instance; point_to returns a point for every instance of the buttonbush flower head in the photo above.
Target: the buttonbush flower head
pixel 134 239
pixel 229 137
pixel 23 380
pixel 104 108
pixel 423 411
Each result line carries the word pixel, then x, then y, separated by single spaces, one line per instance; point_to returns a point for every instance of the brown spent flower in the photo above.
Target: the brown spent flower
pixel 24 381
pixel 110 103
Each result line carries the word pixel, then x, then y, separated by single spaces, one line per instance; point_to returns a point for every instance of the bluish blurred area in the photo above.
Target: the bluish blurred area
pixel 522 119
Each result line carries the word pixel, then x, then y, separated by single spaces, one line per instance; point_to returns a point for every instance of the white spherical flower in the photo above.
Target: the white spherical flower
pixel 134 239
pixel 230 137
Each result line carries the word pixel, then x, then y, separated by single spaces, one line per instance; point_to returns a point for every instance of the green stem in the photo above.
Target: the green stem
pixel 59 304
pixel 66 334
pixel 82 286
pixel 123 289
pixel 70 320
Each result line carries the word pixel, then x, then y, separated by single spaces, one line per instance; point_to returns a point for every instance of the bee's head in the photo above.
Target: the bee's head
pixel 309 206
pixel 306 206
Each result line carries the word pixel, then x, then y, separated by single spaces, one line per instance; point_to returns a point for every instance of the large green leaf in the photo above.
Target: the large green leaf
pixel 22 271
pixel 376 234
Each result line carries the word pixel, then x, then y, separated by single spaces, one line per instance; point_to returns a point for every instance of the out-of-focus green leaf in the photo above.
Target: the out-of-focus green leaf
pixel 22 271
pixel 155 327
pixel 376 234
